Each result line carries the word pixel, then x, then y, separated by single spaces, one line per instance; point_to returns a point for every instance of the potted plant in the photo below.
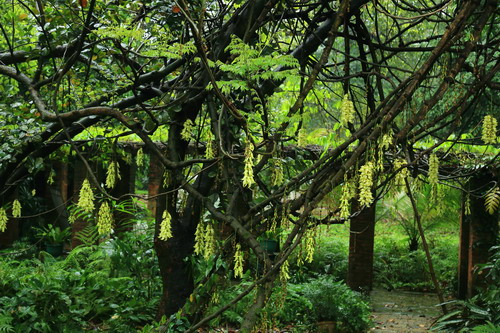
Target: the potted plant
pixel 54 238
pixel 337 308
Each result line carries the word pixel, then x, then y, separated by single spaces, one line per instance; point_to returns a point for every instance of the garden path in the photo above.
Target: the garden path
pixel 403 311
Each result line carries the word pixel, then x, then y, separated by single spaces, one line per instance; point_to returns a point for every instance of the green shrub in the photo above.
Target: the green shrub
pixel 334 301
pixel 114 286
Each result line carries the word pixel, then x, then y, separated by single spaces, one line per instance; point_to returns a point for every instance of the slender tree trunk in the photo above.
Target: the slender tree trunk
pixel 426 248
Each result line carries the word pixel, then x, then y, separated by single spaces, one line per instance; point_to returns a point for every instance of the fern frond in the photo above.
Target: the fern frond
pixel 492 200
pixel 88 235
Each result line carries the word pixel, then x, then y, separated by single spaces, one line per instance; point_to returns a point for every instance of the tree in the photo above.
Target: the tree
pixel 387 81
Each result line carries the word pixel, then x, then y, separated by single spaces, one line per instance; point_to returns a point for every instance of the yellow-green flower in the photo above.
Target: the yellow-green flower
pixel 403 173
pixel 16 208
pixel 199 239
pixel 347 194
pixel 365 184
pixel 489 134
pixel 277 172
pixel 346 111
pixel 139 159
pixel 309 246
pixel 209 242
pixel 86 197
pixel 209 150
pixel 112 174
pixel 467 205
pixel 165 226
pixel 238 262
pixel 104 219
pixel 3 220
pixel 248 179
pixel 187 130
pixel 285 271
pixel 302 138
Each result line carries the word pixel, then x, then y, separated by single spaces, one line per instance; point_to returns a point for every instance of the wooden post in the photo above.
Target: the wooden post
pixel 463 254
pixel 361 240
pixel 155 175
pixel 483 231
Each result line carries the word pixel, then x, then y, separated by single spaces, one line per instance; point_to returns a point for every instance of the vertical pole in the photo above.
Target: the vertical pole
pixel 361 239
pixel 463 255
pixel 483 231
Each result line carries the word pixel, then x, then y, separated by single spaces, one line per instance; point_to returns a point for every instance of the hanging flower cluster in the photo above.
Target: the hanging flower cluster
pixel 248 179
pixel 16 209
pixel 238 262
pixel 3 220
pixel 346 111
pixel 285 271
pixel 199 239
pixel 209 150
pixel 385 143
pixel 209 242
pixel 467 205
pixel 165 226
pixel 403 173
pixel 365 184
pixel 301 137
pixel 204 240
pixel 433 176
pixel 187 130
pixel 104 219
pixel 309 246
pixel 277 172
pixel 347 194
pixel 489 129
pixel 112 174
pixel 86 197
pixel 139 159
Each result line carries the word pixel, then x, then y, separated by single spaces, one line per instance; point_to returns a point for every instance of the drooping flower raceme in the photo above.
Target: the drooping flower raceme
pixel 277 172
pixel 3 220
pixel 347 191
pixel 104 219
pixel 403 173
pixel 365 184
pixel 489 134
pixel 86 197
pixel 248 179
pixel 199 239
pixel 209 242
pixel 165 226
pixel 16 208
pixel 302 138
pixel 433 176
pixel 238 262
pixel 139 159
pixel 285 271
pixel 112 174
pixel 346 111
pixel 187 130
pixel 209 149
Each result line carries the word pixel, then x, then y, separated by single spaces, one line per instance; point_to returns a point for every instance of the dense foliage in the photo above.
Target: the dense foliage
pixel 227 96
